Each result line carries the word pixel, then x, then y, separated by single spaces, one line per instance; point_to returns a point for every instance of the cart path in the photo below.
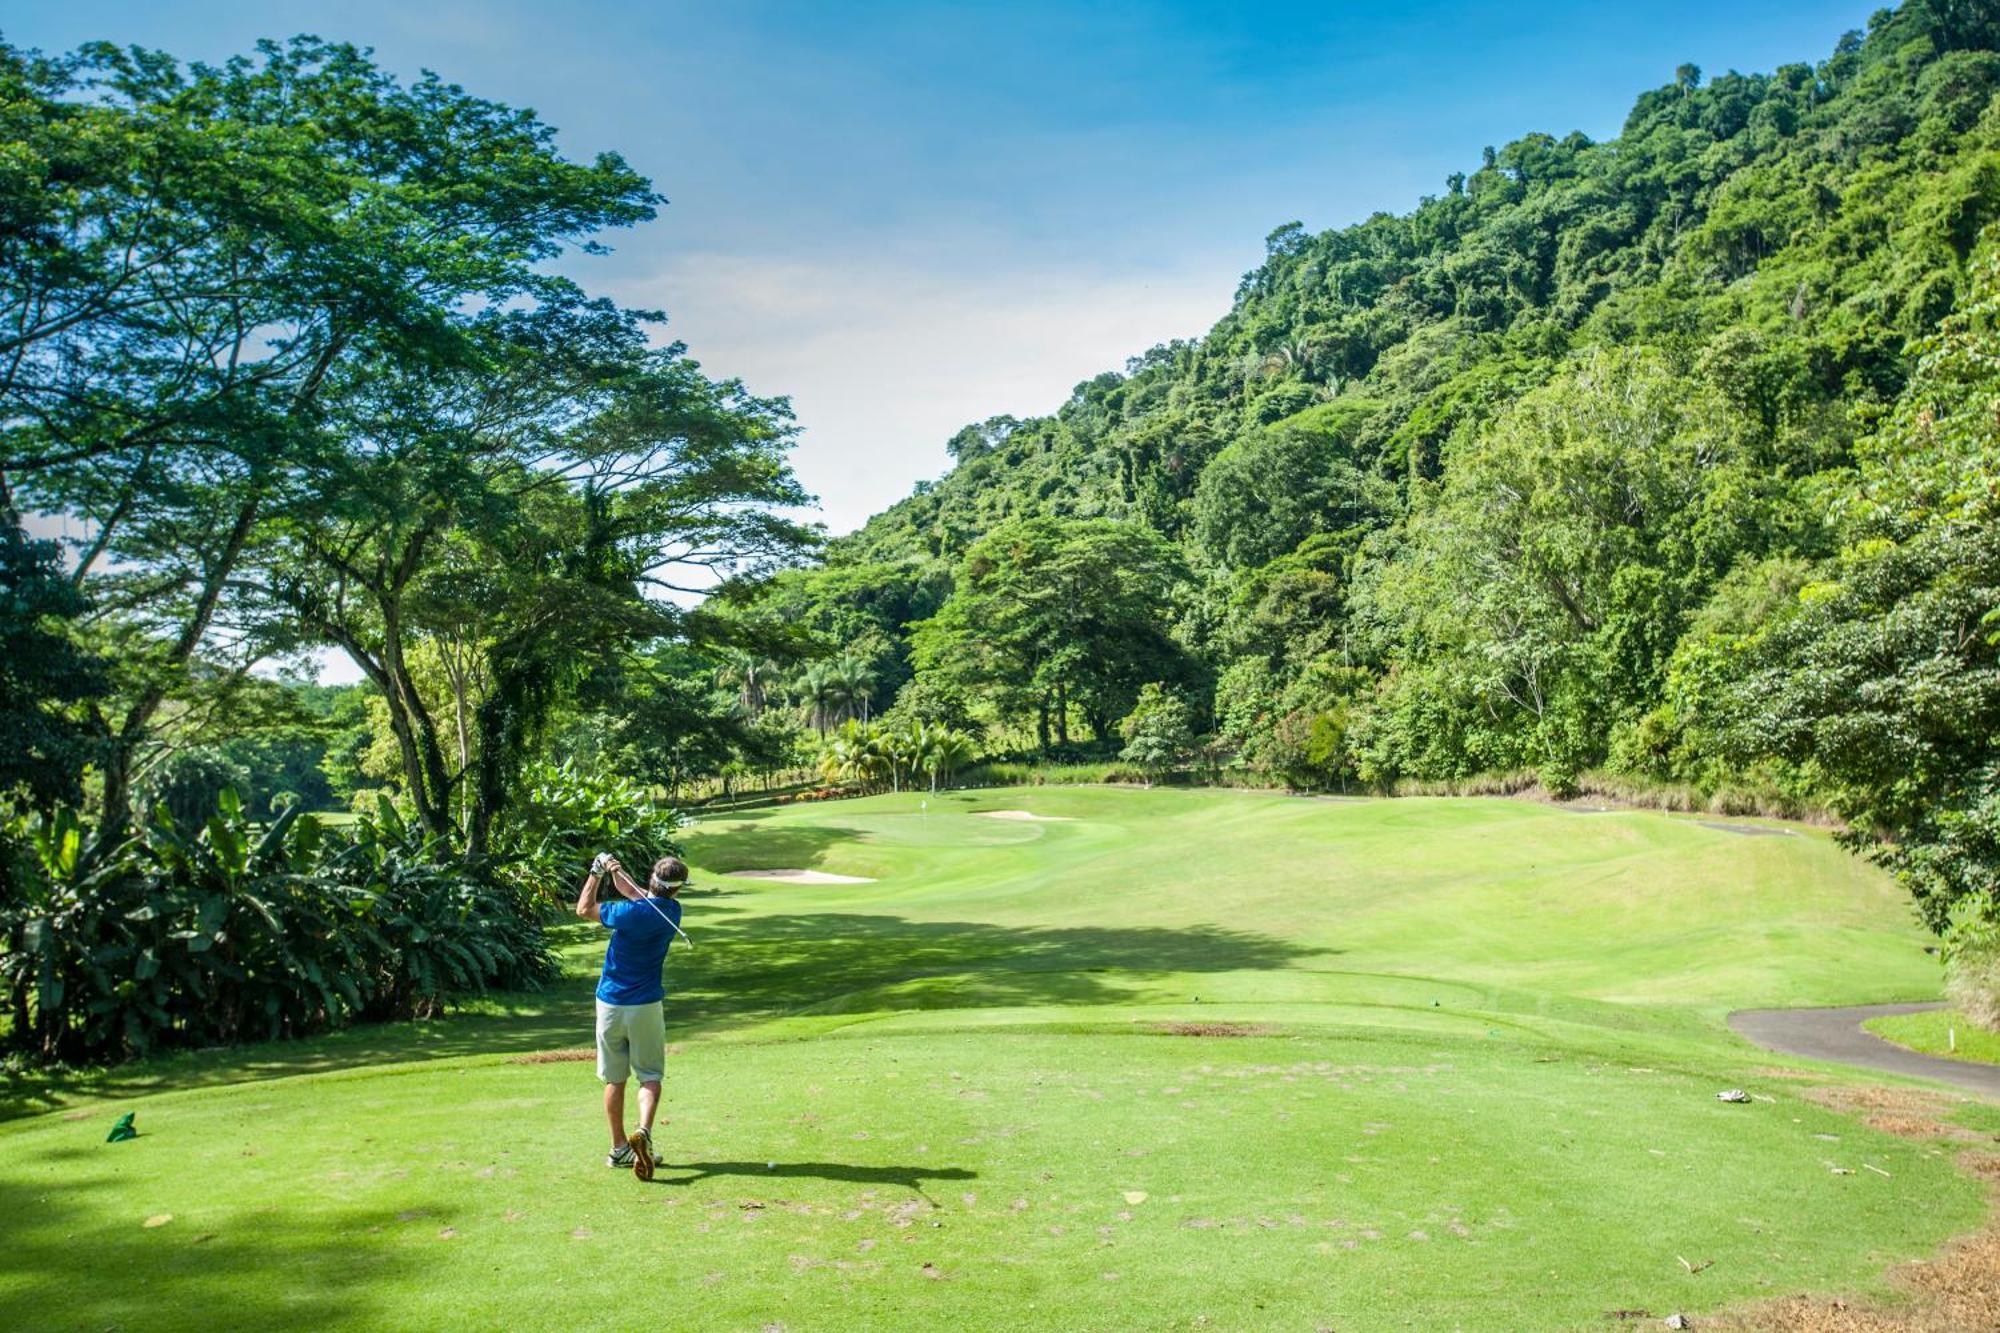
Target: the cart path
pixel 1836 1035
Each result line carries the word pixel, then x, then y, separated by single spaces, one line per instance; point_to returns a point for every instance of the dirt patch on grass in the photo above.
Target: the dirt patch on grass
pixel 1918 1127
pixel 1213 1030
pixel 799 876
pixel 1906 1113
pixel 553 1057
pixel 1028 815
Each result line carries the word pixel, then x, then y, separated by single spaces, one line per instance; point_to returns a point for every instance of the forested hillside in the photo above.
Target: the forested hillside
pixel 1671 456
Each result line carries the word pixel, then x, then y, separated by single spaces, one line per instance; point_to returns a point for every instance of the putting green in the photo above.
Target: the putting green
pixel 1173 1059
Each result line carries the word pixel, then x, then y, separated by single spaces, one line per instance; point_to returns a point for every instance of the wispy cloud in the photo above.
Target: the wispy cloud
pixel 885 355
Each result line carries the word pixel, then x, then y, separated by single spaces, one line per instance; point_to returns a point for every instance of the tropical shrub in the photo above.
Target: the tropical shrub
pixel 894 755
pixel 569 813
pixel 234 932
pixel 443 925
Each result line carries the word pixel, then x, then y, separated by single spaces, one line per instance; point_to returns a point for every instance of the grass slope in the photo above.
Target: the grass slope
pixel 1943 1032
pixel 1182 1059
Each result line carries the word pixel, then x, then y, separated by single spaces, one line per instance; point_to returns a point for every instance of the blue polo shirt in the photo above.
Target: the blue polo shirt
pixel 638 949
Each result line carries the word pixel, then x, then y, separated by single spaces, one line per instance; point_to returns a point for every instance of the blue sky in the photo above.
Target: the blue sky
pixel 908 216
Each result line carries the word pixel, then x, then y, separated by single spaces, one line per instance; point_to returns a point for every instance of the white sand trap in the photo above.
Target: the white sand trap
pixel 799 876
pixel 1024 814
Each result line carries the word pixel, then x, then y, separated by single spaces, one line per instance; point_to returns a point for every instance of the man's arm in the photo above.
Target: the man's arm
pixel 586 901
pixel 624 884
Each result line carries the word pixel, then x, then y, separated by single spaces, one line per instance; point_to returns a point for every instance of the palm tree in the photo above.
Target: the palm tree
pixel 854 681
pixel 751 675
pixel 949 751
pixel 908 751
pixel 818 689
pixel 857 753
pixel 842 756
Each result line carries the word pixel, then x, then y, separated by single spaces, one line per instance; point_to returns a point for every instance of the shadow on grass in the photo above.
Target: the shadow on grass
pixel 910 1178
pixel 744 969
pixel 71 1266
pixel 787 847
pixel 749 968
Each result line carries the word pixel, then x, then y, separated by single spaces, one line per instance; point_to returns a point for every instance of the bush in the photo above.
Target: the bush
pixel 569 814
pixel 1009 773
pixel 191 782
pixel 444 926
pixel 237 933
pixel 1158 732
pixel 1972 959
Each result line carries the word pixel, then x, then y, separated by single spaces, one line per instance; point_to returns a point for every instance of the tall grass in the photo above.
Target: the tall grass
pixel 1741 798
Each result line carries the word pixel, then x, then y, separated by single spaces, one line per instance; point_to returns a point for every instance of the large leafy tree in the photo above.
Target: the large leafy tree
pixel 1278 486
pixel 1049 615
pixel 202 256
pixel 539 490
pixel 1548 583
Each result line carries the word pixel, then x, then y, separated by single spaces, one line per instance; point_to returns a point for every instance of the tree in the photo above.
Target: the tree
pixel 1158 732
pixel 934 703
pixel 852 754
pixel 209 253
pixel 1548 584
pixel 1270 491
pixel 44 744
pixel 1051 614
pixel 950 752
pixel 1882 676
pixel 853 682
pixel 818 688
pixel 751 675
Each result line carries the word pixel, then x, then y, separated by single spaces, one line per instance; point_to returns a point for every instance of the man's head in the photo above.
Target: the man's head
pixel 669 874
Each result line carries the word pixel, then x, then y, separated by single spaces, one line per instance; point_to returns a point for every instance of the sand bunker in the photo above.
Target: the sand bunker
pixel 799 876
pixel 1023 814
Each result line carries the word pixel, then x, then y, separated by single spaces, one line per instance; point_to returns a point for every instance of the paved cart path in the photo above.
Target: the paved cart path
pixel 1837 1035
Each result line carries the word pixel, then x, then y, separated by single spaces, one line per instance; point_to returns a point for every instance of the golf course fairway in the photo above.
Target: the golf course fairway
pixel 1161 1059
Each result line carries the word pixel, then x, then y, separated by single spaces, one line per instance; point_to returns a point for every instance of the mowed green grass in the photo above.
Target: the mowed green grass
pixel 1942 1032
pixel 1169 1060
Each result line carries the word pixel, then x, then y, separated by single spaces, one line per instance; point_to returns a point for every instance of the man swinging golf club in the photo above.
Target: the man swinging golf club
pixel 631 1020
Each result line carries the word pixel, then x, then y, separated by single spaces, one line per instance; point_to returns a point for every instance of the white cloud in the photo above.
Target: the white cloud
pixel 886 355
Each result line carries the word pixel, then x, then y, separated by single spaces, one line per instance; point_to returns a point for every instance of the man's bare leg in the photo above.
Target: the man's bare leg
pixel 649 1102
pixel 614 1111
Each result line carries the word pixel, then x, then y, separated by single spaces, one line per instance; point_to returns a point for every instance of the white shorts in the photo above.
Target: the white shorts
pixel 631 1039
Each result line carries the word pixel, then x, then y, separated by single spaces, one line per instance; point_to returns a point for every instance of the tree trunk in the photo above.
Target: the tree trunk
pixel 423 759
pixel 117 797
pixel 125 740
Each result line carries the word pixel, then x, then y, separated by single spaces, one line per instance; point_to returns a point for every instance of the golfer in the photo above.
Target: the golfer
pixel 631 1023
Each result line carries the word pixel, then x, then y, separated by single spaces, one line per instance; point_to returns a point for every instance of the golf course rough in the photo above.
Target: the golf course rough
pixel 1173 1060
